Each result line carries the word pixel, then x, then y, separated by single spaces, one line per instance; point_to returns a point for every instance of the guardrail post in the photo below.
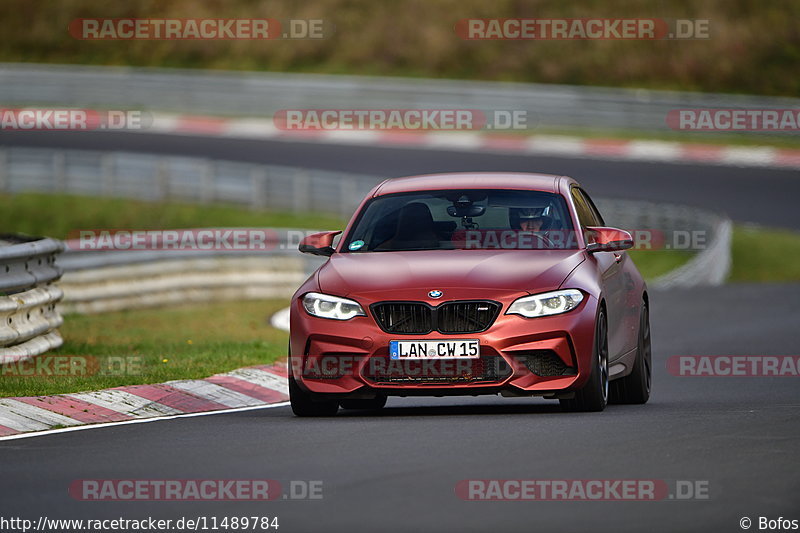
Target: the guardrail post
pixel 59 171
pixel 3 169
pixel 347 192
pixel 301 191
pixel 207 181
pixel 108 166
pixel 161 180
pixel 258 178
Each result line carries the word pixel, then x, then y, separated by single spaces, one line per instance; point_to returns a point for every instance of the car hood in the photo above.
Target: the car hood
pixel 506 271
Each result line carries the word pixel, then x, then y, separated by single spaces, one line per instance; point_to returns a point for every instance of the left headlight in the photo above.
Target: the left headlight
pixel 327 306
pixel 546 304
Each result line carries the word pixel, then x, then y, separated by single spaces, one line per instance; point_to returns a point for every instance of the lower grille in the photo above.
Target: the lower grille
pixel 485 369
pixel 546 363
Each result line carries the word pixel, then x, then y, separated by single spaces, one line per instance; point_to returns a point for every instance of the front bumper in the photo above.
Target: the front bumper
pixel 518 356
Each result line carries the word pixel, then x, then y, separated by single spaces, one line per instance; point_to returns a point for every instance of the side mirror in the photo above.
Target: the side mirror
pixel 319 243
pixel 603 239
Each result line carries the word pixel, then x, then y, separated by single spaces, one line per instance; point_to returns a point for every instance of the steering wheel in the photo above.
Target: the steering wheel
pixel 542 236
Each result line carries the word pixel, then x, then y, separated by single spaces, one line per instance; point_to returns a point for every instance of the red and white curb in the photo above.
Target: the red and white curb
pixel 244 388
pixel 554 145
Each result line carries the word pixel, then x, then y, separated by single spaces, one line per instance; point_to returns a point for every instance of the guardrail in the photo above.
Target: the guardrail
pixel 28 315
pixel 710 264
pixel 153 177
pixel 254 94
pixel 180 281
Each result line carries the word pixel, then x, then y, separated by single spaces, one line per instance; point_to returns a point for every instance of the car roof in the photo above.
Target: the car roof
pixel 472 180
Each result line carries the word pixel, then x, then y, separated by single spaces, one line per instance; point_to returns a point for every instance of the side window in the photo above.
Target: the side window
pixel 585 214
pixel 595 213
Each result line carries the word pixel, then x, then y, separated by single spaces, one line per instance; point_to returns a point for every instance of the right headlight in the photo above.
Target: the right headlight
pixel 546 304
pixel 328 306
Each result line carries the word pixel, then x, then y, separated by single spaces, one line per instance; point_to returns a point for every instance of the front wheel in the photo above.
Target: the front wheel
pixel 306 403
pixel 594 395
pixel 635 387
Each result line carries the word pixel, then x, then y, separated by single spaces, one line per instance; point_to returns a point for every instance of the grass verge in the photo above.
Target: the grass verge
pixel 655 263
pixel 56 215
pixel 758 254
pixel 156 345
pixel 765 255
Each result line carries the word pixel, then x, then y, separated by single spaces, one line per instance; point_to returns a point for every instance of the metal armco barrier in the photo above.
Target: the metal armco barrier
pixel 151 177
pixel 28 315
pixel 261 94
pixel 710 264
pixel 180 281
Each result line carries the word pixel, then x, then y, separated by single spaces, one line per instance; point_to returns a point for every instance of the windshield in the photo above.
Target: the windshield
pixel 462 219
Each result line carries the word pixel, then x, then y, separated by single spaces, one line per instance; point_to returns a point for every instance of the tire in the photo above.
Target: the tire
pixel 309 404
pixel 375 404
pixel 635 387
pixel 593 397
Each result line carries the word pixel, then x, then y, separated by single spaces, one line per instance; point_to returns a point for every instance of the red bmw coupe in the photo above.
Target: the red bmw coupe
pixel 467 284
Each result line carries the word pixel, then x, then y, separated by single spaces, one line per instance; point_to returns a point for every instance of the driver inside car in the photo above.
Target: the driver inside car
pixel 530 219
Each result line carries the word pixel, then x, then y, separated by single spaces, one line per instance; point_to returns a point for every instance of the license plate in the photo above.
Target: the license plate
pixel 449 349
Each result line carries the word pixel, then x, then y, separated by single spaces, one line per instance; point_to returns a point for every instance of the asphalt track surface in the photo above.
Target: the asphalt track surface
pixel 397 471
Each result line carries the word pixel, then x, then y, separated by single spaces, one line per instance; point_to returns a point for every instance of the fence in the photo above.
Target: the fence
pixel 251 94
pixel 28 315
